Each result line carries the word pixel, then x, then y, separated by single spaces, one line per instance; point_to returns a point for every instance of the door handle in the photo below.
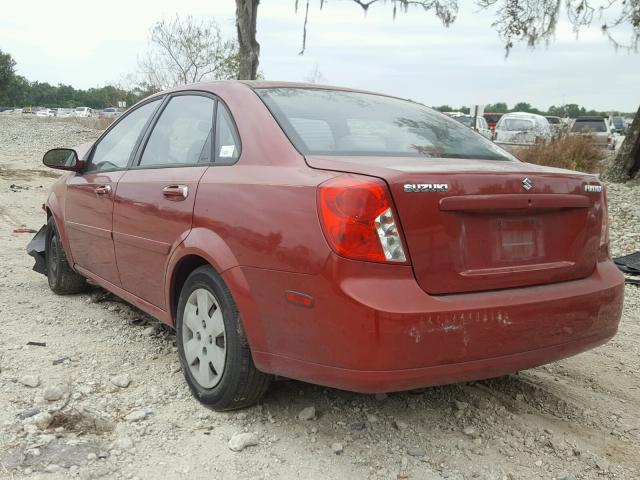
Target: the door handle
pixel 103 190
pixel 176 192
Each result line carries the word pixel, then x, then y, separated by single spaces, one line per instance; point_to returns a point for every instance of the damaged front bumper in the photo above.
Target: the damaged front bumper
pixel 36 249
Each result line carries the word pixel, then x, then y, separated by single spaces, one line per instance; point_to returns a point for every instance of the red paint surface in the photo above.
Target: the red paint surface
pixel 497 279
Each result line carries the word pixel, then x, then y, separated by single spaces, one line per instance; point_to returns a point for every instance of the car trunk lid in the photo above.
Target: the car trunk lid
pixel 498 224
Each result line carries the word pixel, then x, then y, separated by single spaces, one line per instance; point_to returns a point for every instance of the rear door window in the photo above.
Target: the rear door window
pixel 182 133
pixel 227 139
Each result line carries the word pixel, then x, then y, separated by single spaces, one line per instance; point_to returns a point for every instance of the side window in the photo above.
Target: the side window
pixel 182 135
pixel 227 140
pixel 114 150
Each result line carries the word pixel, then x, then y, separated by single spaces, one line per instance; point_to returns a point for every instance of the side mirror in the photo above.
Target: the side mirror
pixel 63 159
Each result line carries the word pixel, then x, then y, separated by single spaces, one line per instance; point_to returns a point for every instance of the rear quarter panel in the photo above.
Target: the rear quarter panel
pixel 266 215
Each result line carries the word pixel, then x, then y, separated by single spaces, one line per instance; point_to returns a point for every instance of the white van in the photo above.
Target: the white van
pixel 83 112
pixel 521 128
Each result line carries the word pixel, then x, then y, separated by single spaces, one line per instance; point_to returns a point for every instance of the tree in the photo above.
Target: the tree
pixel 525 107
pixel 626 165
pixel 315 76
pixel 246 20
pixel 444 108
pixel 7 74
pixel 532 22
pixel 187 51
pixel 499 107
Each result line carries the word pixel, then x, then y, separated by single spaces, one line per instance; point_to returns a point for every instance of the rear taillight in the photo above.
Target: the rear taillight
pixel 357 219
pixel 609 140
pixel 604 228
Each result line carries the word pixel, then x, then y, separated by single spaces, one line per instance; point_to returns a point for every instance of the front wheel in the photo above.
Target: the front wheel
pixel 213 349
pixel 62 278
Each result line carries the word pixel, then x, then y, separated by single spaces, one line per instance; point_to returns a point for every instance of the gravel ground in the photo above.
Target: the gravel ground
pixel 101 395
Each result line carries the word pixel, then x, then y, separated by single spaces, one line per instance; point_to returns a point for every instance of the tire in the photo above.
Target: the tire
pixel 63 280
pixel 214 353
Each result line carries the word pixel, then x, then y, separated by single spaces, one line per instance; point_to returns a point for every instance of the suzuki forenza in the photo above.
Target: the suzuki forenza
pixel 339 237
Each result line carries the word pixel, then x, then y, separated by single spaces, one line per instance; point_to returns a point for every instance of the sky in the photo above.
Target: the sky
pixel 78 43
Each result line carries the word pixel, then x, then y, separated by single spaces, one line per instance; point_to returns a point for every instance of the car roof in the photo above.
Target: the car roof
pixel 527 115
pixel 212 86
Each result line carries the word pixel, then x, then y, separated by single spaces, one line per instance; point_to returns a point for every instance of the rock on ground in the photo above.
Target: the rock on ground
pixel 240 441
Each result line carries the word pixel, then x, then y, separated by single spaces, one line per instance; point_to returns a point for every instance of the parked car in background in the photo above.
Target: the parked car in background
pixel 110 112
pixel 597 127
pixel 31 110
pixel 556 124
pixel 492 119
pixel 63 112
pixel 522 128
pixel 481 124
pixel 83 112
pixel 338 237
pixel 44 112
pixel 619 124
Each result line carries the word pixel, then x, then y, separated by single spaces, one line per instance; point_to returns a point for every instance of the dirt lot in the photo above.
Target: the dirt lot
pixel 575 419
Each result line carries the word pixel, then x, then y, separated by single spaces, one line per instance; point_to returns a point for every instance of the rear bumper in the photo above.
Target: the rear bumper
pixel 372 381
pixel 373 329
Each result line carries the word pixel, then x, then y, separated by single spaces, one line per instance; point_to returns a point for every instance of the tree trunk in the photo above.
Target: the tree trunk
pixel 626 165
pixel 246 15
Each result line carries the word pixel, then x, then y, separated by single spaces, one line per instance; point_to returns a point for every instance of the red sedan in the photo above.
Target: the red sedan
pixel 339 237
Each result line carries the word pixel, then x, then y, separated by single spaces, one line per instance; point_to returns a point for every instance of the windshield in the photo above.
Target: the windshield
pixel 590 126
pixel 334 122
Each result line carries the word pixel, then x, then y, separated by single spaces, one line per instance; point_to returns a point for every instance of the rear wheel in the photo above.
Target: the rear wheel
pixel 213 349
pixel 62 279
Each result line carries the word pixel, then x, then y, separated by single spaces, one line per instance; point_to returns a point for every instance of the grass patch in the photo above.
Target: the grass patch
pixel 574 152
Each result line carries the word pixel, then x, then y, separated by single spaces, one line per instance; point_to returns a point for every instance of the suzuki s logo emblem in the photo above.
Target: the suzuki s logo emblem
pixel 527 184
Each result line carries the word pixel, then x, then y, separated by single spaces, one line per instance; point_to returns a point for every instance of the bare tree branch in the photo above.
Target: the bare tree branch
pixel 188 51
pixel 304 29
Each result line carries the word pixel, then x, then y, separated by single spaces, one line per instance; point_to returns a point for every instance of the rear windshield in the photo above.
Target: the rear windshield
pixel 591 126
pixel 516 125
pixel 553 120
pixel 334 122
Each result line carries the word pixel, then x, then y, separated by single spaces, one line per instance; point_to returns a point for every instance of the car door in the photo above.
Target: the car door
pixel 90 194
pixel 155 198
